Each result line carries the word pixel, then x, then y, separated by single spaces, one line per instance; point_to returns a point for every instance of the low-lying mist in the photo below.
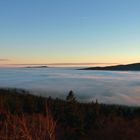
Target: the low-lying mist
pixel 106 86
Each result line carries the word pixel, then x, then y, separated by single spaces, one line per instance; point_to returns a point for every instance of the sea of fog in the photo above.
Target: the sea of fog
pixel 106 86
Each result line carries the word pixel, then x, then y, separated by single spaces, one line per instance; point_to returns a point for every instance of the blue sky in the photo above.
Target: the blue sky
pixel 69 31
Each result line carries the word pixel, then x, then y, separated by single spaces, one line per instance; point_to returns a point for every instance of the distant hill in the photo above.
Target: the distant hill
pixel 129 67
pixel 37 67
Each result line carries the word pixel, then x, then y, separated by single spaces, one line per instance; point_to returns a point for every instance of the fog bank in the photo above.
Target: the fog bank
pixel 107 87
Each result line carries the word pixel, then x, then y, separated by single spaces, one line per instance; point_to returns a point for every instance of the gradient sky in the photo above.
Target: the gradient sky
pixel 69 31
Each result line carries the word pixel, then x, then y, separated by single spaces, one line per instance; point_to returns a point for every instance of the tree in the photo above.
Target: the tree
pixel 70 97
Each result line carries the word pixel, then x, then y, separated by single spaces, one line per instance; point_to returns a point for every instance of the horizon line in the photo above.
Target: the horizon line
pixel 61 64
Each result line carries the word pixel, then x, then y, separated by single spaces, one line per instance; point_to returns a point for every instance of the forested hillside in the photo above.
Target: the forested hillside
pixel 27 117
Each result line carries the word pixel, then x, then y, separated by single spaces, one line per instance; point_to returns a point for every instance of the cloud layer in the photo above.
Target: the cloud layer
pixel 4 59
pixel 107 87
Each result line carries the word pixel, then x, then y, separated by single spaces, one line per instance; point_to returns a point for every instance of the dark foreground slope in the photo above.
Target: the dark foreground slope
pixel 129 67
pixel 24 116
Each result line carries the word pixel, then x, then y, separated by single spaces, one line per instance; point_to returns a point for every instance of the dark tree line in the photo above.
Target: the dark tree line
pixel 75 120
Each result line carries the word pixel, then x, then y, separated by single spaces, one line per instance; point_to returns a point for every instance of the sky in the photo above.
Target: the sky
pixel 69 31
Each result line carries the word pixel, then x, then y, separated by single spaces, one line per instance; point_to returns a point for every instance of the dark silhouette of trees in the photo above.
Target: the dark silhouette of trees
pixel 71 97
pixel 75 120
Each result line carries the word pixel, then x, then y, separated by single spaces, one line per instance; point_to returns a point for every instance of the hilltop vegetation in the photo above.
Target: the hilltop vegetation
pixel 27 117
pixel 129 67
